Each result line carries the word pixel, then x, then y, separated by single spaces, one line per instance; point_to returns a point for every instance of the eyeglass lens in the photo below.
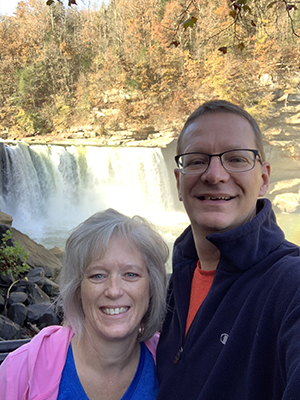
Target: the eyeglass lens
pixel 232 161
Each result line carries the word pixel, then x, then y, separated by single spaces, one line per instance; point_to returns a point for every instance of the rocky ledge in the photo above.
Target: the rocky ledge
pixel 29 302
pixel 90 135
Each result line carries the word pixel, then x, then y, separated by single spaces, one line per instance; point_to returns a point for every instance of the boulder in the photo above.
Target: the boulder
pixel 36 275
pixel 51 288
pixel 5 219
pixel 2 303
pixel 57 252
pixel 42 315
pixel 17 313
pixel 8 329
pixel 38 256
pixel 26 301
pixel 36 294
pixel 17 297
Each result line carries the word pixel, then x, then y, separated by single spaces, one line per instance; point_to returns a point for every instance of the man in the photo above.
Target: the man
pixel 232 331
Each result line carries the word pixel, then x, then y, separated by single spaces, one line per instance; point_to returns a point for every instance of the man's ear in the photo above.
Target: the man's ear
pixel 177 175
pixel 265 178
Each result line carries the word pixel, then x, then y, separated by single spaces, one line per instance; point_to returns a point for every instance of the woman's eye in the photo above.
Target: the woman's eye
pixel 97 276
pixel 131 275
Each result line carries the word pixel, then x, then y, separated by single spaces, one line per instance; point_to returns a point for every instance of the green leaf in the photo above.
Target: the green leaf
pixel 272 4
pixel 190 23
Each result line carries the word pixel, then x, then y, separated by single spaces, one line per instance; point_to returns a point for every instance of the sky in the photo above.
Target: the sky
pixel 7 7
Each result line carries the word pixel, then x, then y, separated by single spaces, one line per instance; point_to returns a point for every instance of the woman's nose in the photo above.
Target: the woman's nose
pixel 114 287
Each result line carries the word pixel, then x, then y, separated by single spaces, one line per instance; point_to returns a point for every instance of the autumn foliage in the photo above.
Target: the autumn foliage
pixel 154 60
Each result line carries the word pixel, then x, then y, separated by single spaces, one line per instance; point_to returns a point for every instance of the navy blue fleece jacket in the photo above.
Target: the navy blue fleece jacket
pixel 244 343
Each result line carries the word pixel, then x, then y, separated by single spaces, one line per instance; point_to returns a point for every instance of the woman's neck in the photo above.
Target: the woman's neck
pixel 105 354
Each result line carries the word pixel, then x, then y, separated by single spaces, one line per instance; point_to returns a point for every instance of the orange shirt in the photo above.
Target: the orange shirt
pixel 201 284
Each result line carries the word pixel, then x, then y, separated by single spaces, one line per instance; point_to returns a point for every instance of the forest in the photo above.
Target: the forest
pixel 154 61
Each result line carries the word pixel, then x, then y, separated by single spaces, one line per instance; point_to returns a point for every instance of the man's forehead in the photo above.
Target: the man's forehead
pixel 227 127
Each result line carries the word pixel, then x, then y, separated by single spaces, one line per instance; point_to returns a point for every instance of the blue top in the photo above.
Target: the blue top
pixel 143 386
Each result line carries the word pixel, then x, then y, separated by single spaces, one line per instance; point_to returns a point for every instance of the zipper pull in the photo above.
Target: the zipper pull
pixel 178 355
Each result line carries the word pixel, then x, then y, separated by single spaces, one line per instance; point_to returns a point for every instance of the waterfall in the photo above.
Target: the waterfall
pixel 49 189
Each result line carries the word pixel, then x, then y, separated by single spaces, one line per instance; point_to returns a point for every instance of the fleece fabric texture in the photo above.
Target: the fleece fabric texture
pixel 244 342
pixel 33 371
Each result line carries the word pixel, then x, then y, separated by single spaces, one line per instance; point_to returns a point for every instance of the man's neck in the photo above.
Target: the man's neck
pixel 208 253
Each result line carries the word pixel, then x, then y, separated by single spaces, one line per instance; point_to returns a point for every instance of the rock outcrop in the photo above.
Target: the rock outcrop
pixel 28 302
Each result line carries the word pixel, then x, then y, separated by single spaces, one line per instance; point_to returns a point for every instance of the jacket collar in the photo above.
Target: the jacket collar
pixel 240 248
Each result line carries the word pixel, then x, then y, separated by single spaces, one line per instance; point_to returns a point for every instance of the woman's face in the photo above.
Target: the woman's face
pixel 115 292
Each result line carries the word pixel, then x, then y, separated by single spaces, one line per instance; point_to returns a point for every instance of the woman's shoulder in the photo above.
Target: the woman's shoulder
pixel 39 362
pixel 152 345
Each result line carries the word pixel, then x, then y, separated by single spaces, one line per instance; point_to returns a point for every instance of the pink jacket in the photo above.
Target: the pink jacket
pixel 33 371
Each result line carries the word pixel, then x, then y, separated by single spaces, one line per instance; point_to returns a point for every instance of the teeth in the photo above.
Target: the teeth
pixel 114 311
pixel 216 198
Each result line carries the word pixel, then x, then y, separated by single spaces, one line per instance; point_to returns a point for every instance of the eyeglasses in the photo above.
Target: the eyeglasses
pixel 239 160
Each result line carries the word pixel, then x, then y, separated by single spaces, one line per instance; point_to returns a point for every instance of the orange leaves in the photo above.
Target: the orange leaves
pixel 224 49
pixel 70 2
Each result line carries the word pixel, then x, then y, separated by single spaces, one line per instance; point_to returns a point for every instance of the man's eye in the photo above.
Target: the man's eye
pixel 196 161
pixel 238 160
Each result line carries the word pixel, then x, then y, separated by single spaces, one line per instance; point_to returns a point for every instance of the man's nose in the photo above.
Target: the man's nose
pixel 215 172
pixel 114 287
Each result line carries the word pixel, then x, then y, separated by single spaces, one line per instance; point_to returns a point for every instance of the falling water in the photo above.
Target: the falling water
pixel 49 189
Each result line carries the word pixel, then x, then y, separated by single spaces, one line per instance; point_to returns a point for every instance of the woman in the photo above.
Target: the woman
pixel 112 287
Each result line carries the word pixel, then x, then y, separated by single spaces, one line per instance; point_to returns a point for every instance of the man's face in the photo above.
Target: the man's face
pixel 217 200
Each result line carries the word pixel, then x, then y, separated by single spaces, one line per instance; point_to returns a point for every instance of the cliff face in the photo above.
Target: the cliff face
pixel 281 132
pixel 282 146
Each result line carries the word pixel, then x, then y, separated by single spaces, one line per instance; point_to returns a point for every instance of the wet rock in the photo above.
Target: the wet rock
pixel 36 275
pixel 2 303
pixel 5 219
pixel 26 301
pixel 17 297
pixel 36 294
pixel 17 313
pixel 42 315
pixel 8 329
pixel 38 256
pixel 57 252
pixel 7 280
pixel 51 288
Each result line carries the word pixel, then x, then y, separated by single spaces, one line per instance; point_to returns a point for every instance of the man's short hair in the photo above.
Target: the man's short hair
pixel 223 106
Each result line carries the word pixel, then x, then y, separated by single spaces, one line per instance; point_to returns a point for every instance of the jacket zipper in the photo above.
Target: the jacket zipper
pixel 178 355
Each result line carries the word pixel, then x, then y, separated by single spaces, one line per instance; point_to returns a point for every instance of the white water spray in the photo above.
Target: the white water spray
pixel 48 190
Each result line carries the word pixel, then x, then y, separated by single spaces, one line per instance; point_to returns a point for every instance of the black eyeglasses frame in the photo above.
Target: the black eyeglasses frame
pixel 255 152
